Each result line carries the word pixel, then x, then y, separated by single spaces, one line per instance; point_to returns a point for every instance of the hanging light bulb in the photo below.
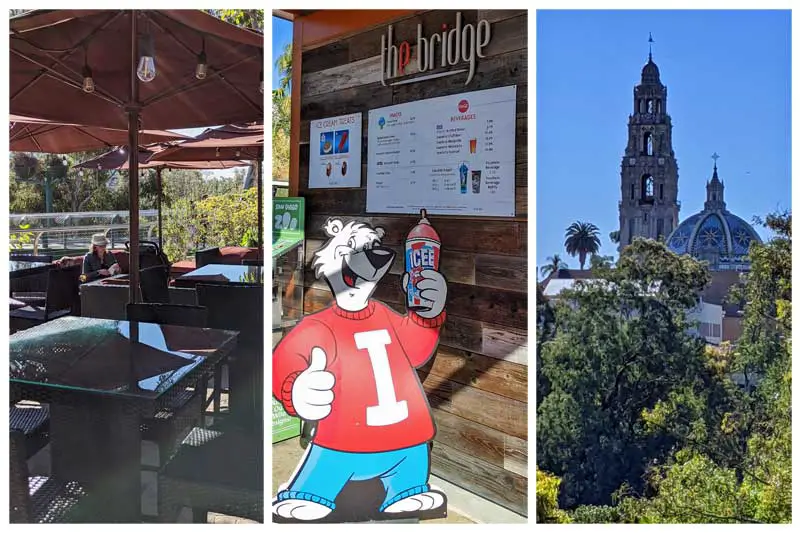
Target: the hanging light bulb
pixel 122 150
pixel 80 173
pixel 201 69
pixel 64 161
pixel 88 81
pixel 217 152
pixel 147 63
pixel 261 82
pixel 238 153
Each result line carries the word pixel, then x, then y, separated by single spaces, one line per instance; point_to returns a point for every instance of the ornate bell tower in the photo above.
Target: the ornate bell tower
pixel 649 192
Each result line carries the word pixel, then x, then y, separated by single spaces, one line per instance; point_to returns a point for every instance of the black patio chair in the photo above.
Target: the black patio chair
pixel 154 282
pixel 214 471
pixel 61 298
pixel 32 420
pixel 209 256
pixel 37 499
pixel 239 308
pixel 253 262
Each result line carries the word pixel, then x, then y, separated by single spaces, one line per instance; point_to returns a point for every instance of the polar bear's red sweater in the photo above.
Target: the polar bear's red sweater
pixel 412 342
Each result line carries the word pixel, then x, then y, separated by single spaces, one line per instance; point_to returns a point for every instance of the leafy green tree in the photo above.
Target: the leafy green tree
pixel 582 239
pixel 620 346
pixel 752 482
pixel 245 18
pixel 547 511
pixel 282 115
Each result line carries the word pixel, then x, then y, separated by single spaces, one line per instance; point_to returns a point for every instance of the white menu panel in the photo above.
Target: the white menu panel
pixel 335 146
pixel 452 155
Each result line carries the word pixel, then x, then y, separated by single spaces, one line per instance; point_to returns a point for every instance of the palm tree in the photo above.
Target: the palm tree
pixel 284 65
pixel 554 264
pixel 582 238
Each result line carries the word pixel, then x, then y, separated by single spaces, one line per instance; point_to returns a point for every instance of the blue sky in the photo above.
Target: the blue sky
pixel 728 75
pixel 281 36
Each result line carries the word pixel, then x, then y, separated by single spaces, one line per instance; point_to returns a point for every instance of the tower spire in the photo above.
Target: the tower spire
pixel 650 43
pixel 715 156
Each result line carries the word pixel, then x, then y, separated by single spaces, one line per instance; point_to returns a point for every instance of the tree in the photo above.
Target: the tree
pixel 284 66
pixel 620 346
pixel 614 236
pixel 751 483
pixel 582 239
pixel 245 18
pixel 554 264
pixel 547 511
pixel 281 115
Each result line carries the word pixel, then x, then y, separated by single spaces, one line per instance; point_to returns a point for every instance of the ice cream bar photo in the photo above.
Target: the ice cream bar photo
pixel 342 141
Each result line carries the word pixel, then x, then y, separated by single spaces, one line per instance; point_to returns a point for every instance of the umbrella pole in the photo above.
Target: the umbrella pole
pixel 133 162
pixel 158 206
pixel 260 163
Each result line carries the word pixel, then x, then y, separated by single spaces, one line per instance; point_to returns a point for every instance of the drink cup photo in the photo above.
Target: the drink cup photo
pixel 473 146
pixel 464 172
pixel 476 181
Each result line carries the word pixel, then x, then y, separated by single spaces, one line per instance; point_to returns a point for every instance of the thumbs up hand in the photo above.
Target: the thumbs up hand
pixel 312 393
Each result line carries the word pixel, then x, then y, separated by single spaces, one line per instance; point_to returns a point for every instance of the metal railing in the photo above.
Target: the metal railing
pixel 63 241
pixel 60 234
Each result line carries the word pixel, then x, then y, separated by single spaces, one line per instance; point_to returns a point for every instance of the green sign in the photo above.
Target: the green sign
pixel 288 223
pixel 283 426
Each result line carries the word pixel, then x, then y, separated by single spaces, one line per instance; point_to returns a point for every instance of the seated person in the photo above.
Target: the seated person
pixel 99 262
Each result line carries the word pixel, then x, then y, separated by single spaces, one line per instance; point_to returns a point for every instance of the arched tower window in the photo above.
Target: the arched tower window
pixel 650 105
pixel 661 191
pixel 633 191
pixel 647 187
pixel 641 106
pixel 647 143
pixel 658 106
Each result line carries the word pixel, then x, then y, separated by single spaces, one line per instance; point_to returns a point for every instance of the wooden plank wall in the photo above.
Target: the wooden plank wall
pixel 477 382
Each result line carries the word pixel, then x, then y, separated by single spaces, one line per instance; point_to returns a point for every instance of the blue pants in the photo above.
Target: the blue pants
pixel 325 472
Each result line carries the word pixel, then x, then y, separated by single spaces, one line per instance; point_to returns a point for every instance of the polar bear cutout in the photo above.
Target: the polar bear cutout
pixel 350 369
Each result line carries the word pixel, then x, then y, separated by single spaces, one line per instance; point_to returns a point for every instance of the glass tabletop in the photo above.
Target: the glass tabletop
pixel 227 273
pixel 99 356
pixel 16 266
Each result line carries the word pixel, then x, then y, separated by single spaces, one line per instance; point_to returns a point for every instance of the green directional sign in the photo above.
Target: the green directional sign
pixel 288 228
pixel 288 223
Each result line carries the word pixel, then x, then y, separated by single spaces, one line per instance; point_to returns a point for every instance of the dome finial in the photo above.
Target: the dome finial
pixel 650 41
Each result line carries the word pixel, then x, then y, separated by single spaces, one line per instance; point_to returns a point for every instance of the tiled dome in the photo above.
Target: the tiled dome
pixel 714 234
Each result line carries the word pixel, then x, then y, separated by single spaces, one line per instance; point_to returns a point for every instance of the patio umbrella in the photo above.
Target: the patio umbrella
pixel 233 142
pixel 118 160
pixel 35 135
pixel 85 66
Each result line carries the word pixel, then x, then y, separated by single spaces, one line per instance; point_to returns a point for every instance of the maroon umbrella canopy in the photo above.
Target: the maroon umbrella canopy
pixel 240 147
pixel 118 159
pixel 231 131
pixel 36 135
pixel 50 49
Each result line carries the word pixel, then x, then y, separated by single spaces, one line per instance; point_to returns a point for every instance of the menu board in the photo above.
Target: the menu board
pixel 335 152
pixel 452 155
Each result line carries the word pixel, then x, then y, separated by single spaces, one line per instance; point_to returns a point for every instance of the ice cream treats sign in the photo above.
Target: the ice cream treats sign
pixel 335 159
